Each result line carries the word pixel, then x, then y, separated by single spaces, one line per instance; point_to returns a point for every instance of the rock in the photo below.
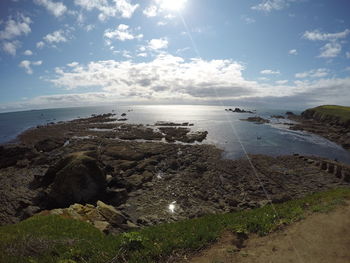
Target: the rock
pixel 278 117
pixel 30 211
pixel 330 168
pixel 124 153
pixel 238 110
pixel 9 156
pixel 112 215
pixel 131 225
pixel 116 196
pixel 347 176
pixel 232 202
pixel 280 198
pixel 289 113
pixel 147 176
pixel 164 123
pixel 256 120
pixel 49 144
pixel 109 178
pixel 103 226
pixel 135 180
pixel 324 165
pixel 77 178
pixel 338 172
pixel 124 165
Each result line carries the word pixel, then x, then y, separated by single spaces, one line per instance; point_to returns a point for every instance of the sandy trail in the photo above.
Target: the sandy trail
pixel 319 238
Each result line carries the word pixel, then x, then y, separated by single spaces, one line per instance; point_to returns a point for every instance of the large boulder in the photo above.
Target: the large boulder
pixel 78 178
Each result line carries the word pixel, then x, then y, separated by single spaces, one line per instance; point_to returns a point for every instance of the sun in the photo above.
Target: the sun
pixel 173 5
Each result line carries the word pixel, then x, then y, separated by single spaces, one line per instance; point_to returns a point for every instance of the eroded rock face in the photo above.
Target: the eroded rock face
pixel 78 178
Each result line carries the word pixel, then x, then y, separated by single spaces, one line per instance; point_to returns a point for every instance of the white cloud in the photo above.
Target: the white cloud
pixel 28 52
pixel 162 23
pixel 122 33
pixel 158 43
pixel 55 8
pixel 73 64
pixel 10 47
pixel 88 28
pixel 27 65
pixel 270 72
pixel 12 29
pixel 272 5
pixel 281 82
pixel 166 76
pixel 333 48
pixel 107 8
pixel 247 19
pixel 142 54
pixel 173 79
pixel 40 44
pixel 182 50
pixel 316 35
pixel 56 37
pixel 16 27
pixel 314 73
pixel 150 11
pixel 347 54
pixel 330 50
pixel 293 52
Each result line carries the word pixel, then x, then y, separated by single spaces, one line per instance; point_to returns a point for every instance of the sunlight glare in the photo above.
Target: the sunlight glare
pixel 174 5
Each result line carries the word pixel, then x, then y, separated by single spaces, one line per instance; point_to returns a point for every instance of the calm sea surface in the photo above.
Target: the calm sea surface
pixel 225 129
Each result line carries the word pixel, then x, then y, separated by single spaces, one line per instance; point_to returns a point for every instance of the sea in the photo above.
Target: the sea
pixel 225 129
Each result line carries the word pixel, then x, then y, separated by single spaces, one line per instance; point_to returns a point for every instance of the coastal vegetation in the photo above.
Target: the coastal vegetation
pixel 330 113
pixel 58 239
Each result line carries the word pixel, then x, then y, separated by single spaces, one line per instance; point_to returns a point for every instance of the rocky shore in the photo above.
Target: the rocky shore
pixel 324 125
pixel 120 176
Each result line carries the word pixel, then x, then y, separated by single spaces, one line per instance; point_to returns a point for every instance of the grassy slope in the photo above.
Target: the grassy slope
pixel 55 239
pixel 341 112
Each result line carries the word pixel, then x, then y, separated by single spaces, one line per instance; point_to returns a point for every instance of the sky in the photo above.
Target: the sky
pixel 276 53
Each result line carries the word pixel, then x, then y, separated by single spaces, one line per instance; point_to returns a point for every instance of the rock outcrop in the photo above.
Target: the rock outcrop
pixel 256 120
pixel 238 110
pixel 102 216
pixel 334 115
pixel 77 178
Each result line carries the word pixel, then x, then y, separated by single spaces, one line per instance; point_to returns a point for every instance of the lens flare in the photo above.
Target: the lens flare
pixel 173 5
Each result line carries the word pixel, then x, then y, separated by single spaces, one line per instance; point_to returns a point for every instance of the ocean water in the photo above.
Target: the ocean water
pixel 225 129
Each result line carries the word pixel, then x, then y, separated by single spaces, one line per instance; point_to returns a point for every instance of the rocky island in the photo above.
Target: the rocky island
pixel 238 110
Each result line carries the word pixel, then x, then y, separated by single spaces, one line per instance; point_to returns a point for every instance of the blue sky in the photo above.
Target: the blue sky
pixel 90 52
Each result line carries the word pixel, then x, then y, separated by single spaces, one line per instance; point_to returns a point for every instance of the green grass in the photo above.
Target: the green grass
pixel 341 112
pixel 55 239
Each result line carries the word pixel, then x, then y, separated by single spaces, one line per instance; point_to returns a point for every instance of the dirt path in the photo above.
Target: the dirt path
pixel 319 238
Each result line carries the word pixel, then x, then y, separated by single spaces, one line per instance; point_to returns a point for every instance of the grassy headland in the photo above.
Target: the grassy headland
pixel 341 114
pixel 56 239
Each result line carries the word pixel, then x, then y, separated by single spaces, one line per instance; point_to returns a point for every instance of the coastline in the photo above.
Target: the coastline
pixel 153 181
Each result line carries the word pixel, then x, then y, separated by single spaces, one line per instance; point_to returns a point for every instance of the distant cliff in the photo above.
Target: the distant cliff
pixel 330 114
